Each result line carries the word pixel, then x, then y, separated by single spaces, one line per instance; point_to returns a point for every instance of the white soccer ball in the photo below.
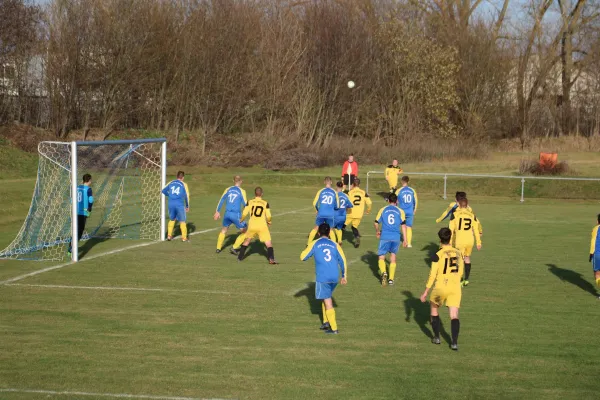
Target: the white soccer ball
pixel 351 84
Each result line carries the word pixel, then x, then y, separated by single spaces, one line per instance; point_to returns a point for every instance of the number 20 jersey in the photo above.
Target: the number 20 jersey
pixel 326 202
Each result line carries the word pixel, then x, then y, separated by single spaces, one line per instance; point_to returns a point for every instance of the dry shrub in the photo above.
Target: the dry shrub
pixel 534 167
pixel 552 144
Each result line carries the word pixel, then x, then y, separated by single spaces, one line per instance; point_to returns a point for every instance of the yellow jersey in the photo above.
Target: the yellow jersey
pixel 391 175
pixel 359 199
pixel 464 226
pixel 259 212
pixel 447 268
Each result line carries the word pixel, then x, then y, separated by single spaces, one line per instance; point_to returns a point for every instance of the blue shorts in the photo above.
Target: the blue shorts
pixel 596 262
pixel 409 219
pixel 328 220
pixel 324 290
pixel 339 222
pixel 233 218
pixel 177 212
pixel 388 246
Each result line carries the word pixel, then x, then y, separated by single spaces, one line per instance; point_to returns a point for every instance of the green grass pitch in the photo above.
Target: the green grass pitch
pixel 176 319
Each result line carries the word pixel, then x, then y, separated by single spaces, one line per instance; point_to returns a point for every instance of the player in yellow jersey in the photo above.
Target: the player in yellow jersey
pixel 463 227
pixel 258 226
pixel 391 175
pixel 446 271
pixel 595 252
pixel 359 199
pixel 449 212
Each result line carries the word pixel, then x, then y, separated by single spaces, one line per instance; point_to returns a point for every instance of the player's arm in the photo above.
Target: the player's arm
pixel 387 174
pixel 246 212
pixel 337 201
pixel 268 214
pixel 165 190
pixel 316 200
pixel 308 252
pixel 480 227
pixel 187 195
pixel 377 218
pixel 244 197
pixel 415 201
pixel 341 258
pixel 432 274
pixel 403 228
pixel 476 231
pixel 593 242
pixel 369 203
pixel 447 212
pixel 90 199
pixel 452 227
pixel 221 202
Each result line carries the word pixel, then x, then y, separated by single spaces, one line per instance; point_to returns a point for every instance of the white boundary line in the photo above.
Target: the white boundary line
pixel 111 395
pixel 47 269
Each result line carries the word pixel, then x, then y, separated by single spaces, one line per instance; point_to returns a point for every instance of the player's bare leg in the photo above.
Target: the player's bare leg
pixel 270 252
pixel 455 327
pixel 435 323
pixel 382 271
pixel 330 315
pixel 392 268
pixel 465 281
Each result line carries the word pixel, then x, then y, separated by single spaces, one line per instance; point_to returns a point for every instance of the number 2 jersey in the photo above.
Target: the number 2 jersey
pixel 359 199
pixel 465 227
pixel 391 219
pixel 259 212
pixel 447 268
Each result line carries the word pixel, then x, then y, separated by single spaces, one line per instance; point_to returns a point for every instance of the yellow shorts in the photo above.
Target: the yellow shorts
pixel 465 249
pixel 263 234
pixel 355 222
pixel 451 296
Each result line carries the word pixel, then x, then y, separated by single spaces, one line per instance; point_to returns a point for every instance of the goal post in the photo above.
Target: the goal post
pixel 127 179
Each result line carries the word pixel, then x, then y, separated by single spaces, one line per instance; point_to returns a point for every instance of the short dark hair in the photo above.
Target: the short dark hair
pixel 445 234
pixel 356 182
pixel 324 229
pixel 258 191
pixel 599 218
pixel 460 194
pixel 327 180
pixel 339 184
pixel 87 178
pixel 180 174
pixel 392 198
pixel 405 178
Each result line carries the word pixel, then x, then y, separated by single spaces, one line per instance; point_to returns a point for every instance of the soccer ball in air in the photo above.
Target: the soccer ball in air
pixel 351 84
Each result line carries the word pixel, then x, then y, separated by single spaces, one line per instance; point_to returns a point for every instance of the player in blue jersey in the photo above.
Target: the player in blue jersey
pixel 408 202
pixel 85 200
pixel 388 224
pixel 595 253
pixel 234 198
pixel 179 204
pixel 341 212
pixel 326 202
pixel 329 259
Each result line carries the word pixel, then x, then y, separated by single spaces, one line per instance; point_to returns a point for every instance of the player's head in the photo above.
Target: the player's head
pixel 180 175
pixel 392 199
pixel 459 195
pixel 599 218
pixel 351 158
pixel 324 229
pixel 395 163
pixel 405 179
pixel 356 182
pixel 463 202
pixel 328 181
pixel 445 234
pixel 87 178
pixel 258 192
pixel 339 185
pixel 237 180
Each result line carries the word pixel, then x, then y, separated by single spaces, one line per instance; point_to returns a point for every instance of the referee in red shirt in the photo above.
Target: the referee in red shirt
pixel 349 172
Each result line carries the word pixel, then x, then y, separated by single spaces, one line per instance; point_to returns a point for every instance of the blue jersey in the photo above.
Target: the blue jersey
pixel 178 193
pixel 407 199
pixel 595 243
pixel 84 200
pixel 326 202
pixel 329 259
pixel 234 198
pixel 390 218
pixel 340 213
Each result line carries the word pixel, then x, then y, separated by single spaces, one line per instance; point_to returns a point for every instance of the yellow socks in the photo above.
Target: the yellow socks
pixel 170 228
pixel 598 282
pixel 311 236
pixel 381 267
pixel 240 239
pixel 338 232
pixel 331 318
pixel 183 227
pixel 220 241
pixel 409 235
pixel 392 270
pixel 324 312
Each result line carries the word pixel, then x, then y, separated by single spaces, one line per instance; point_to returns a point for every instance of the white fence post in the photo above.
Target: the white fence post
pixel 522 190
pixel 445 185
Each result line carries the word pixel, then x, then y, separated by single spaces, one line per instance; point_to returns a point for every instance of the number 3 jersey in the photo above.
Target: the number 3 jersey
pixel 447 268
pixel 259 212
pixel 464 227
pixel 329 259
pixel 391 219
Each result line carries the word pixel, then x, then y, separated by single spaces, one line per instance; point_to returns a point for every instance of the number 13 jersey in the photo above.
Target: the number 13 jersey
pixel 464 226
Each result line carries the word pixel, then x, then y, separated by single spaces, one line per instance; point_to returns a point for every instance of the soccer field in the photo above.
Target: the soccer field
pixel 176 320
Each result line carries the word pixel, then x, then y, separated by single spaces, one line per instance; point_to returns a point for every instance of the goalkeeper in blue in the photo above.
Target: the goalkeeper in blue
pixel 234 199
pixel 329 260
pixel 85 200
pixel 595 253
pixel 326 202
pixel 179 204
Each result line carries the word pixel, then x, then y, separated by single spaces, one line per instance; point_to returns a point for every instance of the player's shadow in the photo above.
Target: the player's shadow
pixel 256 247
pixel 420 313
pixel 431 249
pixel 89 244
pixel 574 278
pixel 230 239
pixel 191 228
pixel 313 302
pixel 372 260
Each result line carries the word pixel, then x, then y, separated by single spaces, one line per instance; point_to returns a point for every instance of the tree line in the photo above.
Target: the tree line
pixel 468 69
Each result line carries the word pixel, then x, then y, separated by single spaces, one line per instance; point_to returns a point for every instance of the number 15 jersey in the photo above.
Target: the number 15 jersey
pixel 447 269
pixel 259 212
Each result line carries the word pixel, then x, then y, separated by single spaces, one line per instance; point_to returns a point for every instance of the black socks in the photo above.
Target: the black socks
pixel 435 324
pixel 270 253
pixel 467 271
pixel 455 327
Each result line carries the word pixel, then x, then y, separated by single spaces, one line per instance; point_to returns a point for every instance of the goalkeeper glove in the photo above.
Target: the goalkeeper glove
pixel 591 257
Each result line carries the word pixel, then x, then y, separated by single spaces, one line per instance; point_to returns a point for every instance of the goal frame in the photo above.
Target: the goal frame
pixel 74 183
